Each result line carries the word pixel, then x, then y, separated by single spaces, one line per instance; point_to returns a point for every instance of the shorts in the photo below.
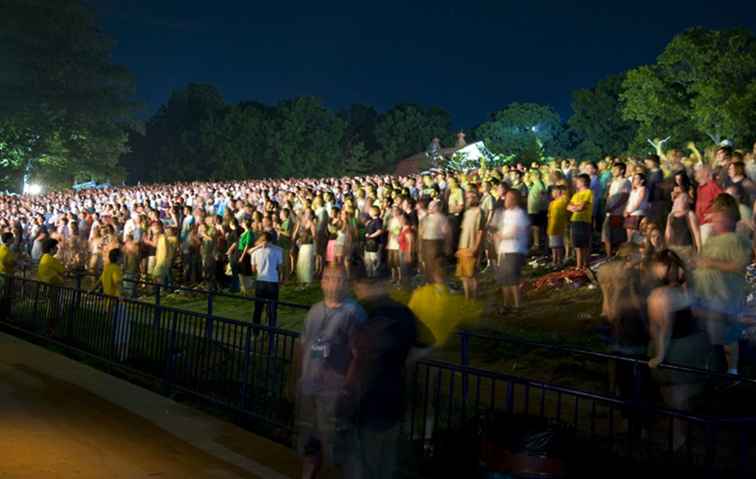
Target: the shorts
pixel 632 222
pixel 393 258
pixel 319 430
pixel 465 264
pixel 581 234
pixel 538 219
pixel 509 271
pixel 612 230
pixel 556 241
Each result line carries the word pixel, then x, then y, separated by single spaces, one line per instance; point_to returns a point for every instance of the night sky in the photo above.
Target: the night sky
pixel 468 57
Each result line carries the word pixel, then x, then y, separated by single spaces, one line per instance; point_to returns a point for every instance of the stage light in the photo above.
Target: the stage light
pixel 32 189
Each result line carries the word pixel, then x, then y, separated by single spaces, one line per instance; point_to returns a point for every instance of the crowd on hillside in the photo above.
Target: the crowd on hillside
pixel 670 237
pixel 486 219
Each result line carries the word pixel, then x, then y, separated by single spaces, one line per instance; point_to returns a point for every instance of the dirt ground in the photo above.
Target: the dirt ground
pixel 51 428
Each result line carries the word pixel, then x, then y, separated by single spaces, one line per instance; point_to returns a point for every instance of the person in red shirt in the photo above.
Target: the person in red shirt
pixel 708 190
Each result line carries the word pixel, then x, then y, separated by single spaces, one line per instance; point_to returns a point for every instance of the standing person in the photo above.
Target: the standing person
pixel 537 206
pixel 304 234
pixel 581 207
pixel 512 238
pixel 373 243
pixel 719 278
pixel 707 192
pixel 130 266
pixel 393 228
pixel 470 237
pixel 434 231
pixel 654 185
pixel 266 259
pixel 326 379
pixel 51 272
pixel 111 280
pixel 246 240
pixel 612 231
pixel 557 224
pixel 383 345
pixel 161 268
pixel 407 246
pixel 637 205
pixel 7 256
pixel 682 232
pixel 285 229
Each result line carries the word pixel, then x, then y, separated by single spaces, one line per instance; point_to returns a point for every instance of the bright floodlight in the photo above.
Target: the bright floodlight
pixel 534 128
pixel 32 189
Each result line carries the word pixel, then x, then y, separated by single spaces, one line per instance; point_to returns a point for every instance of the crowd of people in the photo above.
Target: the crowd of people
pixel 670 235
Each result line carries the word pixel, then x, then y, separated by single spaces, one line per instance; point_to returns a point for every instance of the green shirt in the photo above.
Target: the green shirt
pixel 246 239
pixel 723 291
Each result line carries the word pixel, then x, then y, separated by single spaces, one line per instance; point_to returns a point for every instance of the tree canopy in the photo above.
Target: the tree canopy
pixel 64 106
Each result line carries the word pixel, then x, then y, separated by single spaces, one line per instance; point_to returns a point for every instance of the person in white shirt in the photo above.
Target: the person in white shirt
pixel 612 230
pixel 512 246
pixel 266 259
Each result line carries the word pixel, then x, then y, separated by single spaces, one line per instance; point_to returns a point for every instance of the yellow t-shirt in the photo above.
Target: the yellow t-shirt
pixel 50 270
pixel 7 260
pixel 161 252
pixel 557 216
pixel 584 197
pixel 112 280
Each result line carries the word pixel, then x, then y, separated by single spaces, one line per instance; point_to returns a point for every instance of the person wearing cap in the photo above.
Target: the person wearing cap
pixel 266 260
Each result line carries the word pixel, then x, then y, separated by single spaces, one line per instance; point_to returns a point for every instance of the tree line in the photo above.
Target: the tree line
pixel 67 113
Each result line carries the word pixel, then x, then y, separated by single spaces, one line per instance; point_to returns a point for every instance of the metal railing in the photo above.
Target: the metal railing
pixel 237 365
pixel 245 368
pixel 455 409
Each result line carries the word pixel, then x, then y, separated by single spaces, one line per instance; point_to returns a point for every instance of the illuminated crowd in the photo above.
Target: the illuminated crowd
pixel 423 228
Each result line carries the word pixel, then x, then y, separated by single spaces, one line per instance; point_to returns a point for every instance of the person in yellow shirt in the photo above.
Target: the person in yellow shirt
pixel 581 207
pixel 51 270
pixel 162 254
pixel 557 223
pixel 7 257
pixel 112 275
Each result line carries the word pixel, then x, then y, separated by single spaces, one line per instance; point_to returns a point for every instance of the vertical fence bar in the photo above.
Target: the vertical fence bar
pixel 170 356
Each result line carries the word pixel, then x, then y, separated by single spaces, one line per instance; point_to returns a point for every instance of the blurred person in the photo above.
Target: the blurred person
pixel 707 192
pixel 383 346
pixel 469 245
pixel 327 377
pixel 243 244
pixel 719 279
pixel 7 255
pixel 512 228
pixel 393 228
pixel 433 235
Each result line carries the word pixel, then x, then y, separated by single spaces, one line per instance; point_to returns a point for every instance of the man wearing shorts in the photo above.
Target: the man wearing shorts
pixel 612 231
pixel 581 207
pixel 511 236
pixel 469 244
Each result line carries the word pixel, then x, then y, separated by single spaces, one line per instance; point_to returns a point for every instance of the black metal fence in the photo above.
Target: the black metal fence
pixel 454 411
pixel 461 416
pixel 234 364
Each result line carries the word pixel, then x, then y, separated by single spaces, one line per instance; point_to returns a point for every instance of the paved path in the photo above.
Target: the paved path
pixel 62 419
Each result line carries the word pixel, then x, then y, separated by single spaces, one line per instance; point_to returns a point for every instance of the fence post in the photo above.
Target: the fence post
pixel 245 367
pixel 464 358
pixel 156 321
pixel 170 357
pixel 210 297
pixel 272 309
pixel 464 345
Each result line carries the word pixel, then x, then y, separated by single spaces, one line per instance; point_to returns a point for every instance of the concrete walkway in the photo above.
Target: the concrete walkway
pixel 62 419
